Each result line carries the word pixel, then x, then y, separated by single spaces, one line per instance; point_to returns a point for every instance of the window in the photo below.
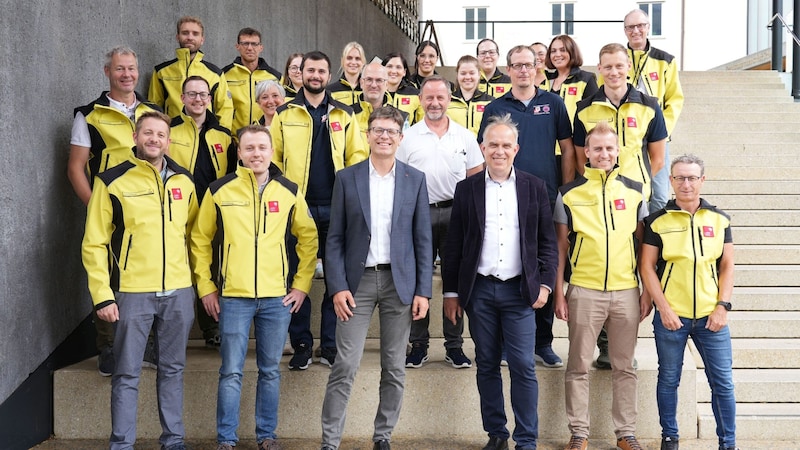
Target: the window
pixel 476 23
pixel 563 12
pixel 654 11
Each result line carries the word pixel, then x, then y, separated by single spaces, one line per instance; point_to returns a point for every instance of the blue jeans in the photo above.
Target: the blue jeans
pixel 660 184
pixel 498 315
pixel 271 320
pixel 715 350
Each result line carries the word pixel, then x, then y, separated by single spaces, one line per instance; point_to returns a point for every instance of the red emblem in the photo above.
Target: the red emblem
pixel 273 206
pixel 653 76
pixel 631 122
pixel 335 126
pixel 572 90
pixel 708 232
pixel 619 204
pixel 405 101
pixel 176 194
pixel 218 148
pixel 499 89
pixel 479 108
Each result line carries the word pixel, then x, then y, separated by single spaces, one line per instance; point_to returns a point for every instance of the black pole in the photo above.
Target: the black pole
pixel 777 44
pixel 796 54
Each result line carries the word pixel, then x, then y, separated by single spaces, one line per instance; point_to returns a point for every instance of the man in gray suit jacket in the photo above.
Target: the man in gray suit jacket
pixel 378 248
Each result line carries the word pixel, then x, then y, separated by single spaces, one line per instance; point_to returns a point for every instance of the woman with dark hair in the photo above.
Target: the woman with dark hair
pixel 347 88
pixel 426 55
pixel 403 95
pixel 566 78
pixel 292 79
pixel 467 102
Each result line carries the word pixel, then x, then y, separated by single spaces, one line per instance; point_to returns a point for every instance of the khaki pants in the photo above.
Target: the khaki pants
pixel 589 310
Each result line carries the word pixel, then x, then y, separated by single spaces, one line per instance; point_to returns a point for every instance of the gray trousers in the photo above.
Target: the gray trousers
pixel 440 220
pixel 375 289
pixel 172 316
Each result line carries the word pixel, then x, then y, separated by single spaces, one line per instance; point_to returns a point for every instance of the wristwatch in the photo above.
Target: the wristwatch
pixel 726 305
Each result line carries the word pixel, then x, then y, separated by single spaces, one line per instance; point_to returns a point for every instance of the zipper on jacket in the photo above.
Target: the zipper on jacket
pixel 714 275
pixel 128 253
pixel 694 269
pixel 106 165
pixel 700 239
pixel 605 228
pixel 264 225
pixel 225 271
pixel 611 215
pixel 216 160
pixel 666 280
pixel 169 198
pixel 577 253
pixel 641 169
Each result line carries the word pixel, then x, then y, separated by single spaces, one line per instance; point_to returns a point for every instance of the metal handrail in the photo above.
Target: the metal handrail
pixel 789 30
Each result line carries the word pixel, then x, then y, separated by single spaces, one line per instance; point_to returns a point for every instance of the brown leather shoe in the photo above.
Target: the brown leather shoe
pixel 628 443
pixel 577 443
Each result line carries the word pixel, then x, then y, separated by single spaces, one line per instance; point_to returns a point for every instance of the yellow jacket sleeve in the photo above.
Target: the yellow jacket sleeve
pixel 200 248
pixel 95 249
pixel 305 230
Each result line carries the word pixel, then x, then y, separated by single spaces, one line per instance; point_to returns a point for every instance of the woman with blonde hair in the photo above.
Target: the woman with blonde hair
pixel 347 88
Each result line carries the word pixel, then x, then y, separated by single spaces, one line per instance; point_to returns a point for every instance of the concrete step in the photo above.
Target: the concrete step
pixel 728 172
pixel 753 107
pixel 710 87
pixel 736 154
pixel 697 123
pixel 764 275
pixel 439 400
pixel 750 187
pixel 710 135
pixel 763 421
pixel 756 218
pixel 767 254
pixel 765 324
pixel 766 298
pixel 728 76
pixel 773 96
pixel 754 201
pixel 758 386
pixel 735 118
pixel 765 235
pixel 765 353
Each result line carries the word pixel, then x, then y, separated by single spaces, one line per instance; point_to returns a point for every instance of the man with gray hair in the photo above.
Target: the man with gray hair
pixel 101 139
pixel 499 265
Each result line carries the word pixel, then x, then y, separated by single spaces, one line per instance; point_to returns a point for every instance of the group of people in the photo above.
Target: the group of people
pixel 227 189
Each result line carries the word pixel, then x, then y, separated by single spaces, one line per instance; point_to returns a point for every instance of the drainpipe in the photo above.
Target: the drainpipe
pixel 777 44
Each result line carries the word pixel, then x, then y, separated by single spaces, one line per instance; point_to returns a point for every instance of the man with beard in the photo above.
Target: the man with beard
pixel 314 136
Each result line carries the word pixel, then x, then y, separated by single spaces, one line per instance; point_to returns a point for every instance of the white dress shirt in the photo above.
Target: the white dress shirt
pixel 501 254
pixel 381 206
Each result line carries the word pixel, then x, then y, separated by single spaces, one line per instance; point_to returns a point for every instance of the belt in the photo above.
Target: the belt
pixel 379 267
pixel 498 280
pixel 442 204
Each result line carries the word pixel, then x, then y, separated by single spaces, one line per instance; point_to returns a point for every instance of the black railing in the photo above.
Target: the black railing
pixel 777 22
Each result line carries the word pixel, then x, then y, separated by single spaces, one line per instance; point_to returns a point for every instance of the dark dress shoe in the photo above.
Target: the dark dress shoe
pixel 496 443
pixel 382 445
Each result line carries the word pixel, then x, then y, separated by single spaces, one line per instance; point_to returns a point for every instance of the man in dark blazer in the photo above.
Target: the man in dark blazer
pixel 499 266
pixel 378 254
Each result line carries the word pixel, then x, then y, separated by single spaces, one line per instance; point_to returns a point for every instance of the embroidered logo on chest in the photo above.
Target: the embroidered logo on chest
pixel 572 91
pixel 273 206
pixel 631 122
pixel 218 148
pixel 176 194
pixel 708 232
pixel 653 76
pixel 619 204
pixel 539 110
pixel 336 126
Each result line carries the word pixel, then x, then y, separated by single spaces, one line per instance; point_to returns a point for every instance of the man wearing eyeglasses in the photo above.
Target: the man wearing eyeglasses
pixel 493 81
pixel 447 153
pixel 315 136
pixel 203 147
pixel 166 84
pixel 542 121
pixel 687 266
pixel 373 95
pixel 654 72
pixel 243 74
pixel 377 256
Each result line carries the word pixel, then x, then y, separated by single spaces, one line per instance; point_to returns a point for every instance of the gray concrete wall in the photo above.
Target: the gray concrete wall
pixel 51 57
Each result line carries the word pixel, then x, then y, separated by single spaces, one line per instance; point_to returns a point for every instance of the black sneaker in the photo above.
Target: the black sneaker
pixel 150 359
pixel 106 362
pixel 457 358
pixel 418 356
pixel 327 356
pixel 301 358
pixel 669 443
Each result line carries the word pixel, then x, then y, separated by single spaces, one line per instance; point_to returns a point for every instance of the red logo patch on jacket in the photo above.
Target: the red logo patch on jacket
pixel 499 89
pixel 218 148
pixel 619 204
pixel 405 101
pixel 336 126
pixel 653 76
pixel 273 206
pixel 631 121
pixel 572 90
pixel 708 232
pixel 479 108
pixel 176 194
